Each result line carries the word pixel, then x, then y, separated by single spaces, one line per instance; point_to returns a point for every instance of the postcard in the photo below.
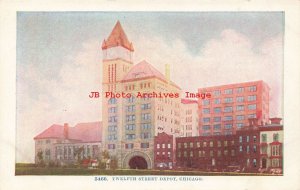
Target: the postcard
pixel 183 98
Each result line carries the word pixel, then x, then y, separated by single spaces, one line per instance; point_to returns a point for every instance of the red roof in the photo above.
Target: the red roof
pixel 187 101
pixel 117 38
pixel 143 70
pixel 84 132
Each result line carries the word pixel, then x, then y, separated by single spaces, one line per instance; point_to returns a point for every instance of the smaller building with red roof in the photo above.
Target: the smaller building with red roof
pixel 62 144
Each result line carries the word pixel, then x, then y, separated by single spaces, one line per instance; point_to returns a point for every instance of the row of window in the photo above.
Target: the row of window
pixel 250 98
pixel 129 127
pixel 203 153
pixel 237 90
pixel 142 85
pixel 130 118
pixel 128 146
pixel 163 145
pixel 229 109
pixel 205 144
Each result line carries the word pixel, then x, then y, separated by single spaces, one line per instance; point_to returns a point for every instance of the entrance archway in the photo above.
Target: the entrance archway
pixel 138 162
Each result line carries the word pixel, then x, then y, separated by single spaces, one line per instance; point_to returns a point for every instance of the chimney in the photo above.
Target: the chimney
pixel 167 72
pixel 275 120
pixel 66 130
pixel 252 122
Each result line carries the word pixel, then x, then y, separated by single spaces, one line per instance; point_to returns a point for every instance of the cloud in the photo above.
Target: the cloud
pixel 43 101
pixel 228 58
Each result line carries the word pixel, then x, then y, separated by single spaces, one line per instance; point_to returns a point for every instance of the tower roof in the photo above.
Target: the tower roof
pixel 143 70
pixel 116 38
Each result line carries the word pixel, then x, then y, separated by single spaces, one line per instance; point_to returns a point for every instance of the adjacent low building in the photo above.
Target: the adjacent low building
pixel 61 144
pixel 255 148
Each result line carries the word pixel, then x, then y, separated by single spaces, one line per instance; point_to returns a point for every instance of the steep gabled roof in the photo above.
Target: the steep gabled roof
pixel 143 70
pixel 83 132
pixel 117 38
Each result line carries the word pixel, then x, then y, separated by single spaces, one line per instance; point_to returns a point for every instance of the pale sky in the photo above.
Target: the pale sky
pixel 59 59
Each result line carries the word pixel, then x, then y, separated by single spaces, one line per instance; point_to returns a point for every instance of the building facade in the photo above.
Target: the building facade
pixel 254 148
pixel 130 123
pixel 164 149
pixel 189 118
pixel 68 145
pixel 231 106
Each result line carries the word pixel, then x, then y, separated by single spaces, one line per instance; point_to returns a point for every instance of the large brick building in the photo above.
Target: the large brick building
pixel 231 106
pixel 130 124
pixel 255 148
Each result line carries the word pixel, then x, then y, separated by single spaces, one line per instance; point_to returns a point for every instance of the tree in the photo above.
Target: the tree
pixel 40 158
pixel 77 153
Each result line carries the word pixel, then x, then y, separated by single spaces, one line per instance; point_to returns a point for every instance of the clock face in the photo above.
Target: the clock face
pixel 118 52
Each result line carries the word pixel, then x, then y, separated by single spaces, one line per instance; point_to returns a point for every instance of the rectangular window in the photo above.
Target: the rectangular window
pixel 217 127
pixel 264 137
pixel 130 108
pixel 205 102
pixel 211 143
pixel 217 119
pixel 129 146
pixel 112 110
pixel 144 145
pixel 240 117
pixel 145 135
pixel 241 139
pixel 112 101
pixel 217 92
pixel 130 136
pixel 198 144
pixel 179 145
pixel 228 109
pixel 275 137
pixel 240 99
pixel 241 148
pixel 228 126
pixel 146 126
pixel 228 91
pixel 191 145
pixel 112 128
pixel 112 119
pixel 130 127
pixel 206 127
pixel 247 139
pixel 252 88
pixel 251 98
pixel 228 100
pixel 228 118
pixel 130 118
pixel 240 90
pixel 111 146
pixel 206 120
pixel 112 137
pixel 217 110
pixel 240 125
pixel 239 107
pixel 131 99
pixel 217 101
pixel 252 107
pixel 146 116
pixel 206 111
pixel 146 106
